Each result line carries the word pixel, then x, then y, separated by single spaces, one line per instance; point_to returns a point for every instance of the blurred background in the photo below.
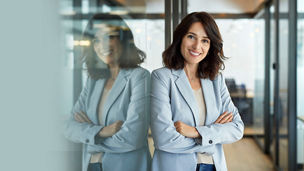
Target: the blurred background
pixel 42 74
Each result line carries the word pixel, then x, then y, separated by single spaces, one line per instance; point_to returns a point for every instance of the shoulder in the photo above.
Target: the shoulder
pixel 163 70
pixel 90 81
pixel 219 77
pixel 162 73
pixel 162 76
pixel 219 80
pixel 137 73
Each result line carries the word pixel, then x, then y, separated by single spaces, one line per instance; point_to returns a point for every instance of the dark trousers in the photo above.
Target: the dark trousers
pixel 205 167
pixel 94 167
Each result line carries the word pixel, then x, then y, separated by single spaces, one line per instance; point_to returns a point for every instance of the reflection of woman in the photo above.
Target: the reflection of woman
pixel 110 116
pixel 192 114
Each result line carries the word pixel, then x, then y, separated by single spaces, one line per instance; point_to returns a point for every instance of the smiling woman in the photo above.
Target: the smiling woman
pixel 109 37
pixel 192 114
pixel 195 44
pixel 110 117
pixel 201 30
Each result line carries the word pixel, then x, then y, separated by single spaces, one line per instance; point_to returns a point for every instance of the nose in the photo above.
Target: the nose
pixel 114 41
pixel 196 45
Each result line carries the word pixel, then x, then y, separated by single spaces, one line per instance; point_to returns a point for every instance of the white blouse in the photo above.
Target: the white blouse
pixel 96 157
pixel 201 157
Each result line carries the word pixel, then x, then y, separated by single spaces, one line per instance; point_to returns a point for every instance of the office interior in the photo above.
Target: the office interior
pixel 264 40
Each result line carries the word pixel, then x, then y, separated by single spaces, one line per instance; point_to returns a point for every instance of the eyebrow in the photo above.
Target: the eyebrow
pixel 196 35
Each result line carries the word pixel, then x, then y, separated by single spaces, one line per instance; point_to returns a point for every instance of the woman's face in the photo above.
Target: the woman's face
pixel 195 44
pixel 107 46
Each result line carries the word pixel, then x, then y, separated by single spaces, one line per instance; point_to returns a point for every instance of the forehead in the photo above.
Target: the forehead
pixel 106 30
pixel 198 29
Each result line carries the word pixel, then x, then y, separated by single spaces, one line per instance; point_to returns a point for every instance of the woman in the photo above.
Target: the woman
pixel 192 114
pixel 110 117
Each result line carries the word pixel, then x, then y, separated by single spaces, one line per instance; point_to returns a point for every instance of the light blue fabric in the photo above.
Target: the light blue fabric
pixel 172 100
pixel 127 101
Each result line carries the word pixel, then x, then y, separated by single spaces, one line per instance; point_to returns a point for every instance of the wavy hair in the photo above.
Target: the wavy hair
pixel 131 56
pixel 210 66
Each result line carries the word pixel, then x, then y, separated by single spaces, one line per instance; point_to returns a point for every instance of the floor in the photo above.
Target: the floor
pixel 246 155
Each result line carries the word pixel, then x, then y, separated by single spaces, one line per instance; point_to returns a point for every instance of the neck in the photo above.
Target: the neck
pixel 191 71
pixel 114 69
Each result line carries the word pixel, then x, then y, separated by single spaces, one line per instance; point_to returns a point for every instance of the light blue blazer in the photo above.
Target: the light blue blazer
pixel 127 101
pixel 172 99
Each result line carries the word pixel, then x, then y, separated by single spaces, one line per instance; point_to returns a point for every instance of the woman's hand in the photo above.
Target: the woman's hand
pixel 81 117
pixel 186 130
pixel 110 130
pixel 224 118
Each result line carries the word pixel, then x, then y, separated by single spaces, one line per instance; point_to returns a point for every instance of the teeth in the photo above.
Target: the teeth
pixel 105 52
pixel 193 53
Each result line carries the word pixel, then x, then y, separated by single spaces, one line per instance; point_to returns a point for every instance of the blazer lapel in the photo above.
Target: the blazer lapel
pixel 210 101
pixel 114 93
pixel 186 91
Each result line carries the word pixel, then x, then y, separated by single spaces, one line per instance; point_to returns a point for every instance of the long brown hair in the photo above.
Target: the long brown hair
pixel 210 66
pixel 131 56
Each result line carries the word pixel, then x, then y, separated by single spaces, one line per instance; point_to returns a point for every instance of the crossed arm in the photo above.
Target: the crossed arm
pixel 191 132
pixel 106 131
pixel 119 136
pixel 178 137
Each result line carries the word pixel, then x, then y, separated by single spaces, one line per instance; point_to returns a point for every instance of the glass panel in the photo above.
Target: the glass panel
pixel 272 80
pixel 283 85
pixel 96 42
pixel 258 100
pixel 300 84
pixel 245 82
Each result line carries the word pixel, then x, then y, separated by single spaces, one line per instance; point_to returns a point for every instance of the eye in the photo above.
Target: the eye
pixel 205 41
pixel 190 36
pixel 111 37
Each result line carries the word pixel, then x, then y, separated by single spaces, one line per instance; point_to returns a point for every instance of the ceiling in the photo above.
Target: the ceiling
pixel 211 6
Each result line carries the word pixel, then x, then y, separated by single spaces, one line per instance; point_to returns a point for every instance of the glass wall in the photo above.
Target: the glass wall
pixel 244 68
pixel 300 84
pixel 32 85
pixel 273 39
pixel 82 19
pixel 258 125
pixel 282 101
pixel 279 84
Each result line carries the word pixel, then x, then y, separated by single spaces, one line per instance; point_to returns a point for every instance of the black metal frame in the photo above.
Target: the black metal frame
pixel 168 22
pixel 276 66
pixel 175 10
pixel 267 121
pixel 292 86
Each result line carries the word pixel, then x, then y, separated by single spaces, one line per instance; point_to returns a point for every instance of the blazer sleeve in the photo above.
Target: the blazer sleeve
pixel 165 136
pixel 133 133
pixel 223 133
pixel 81 132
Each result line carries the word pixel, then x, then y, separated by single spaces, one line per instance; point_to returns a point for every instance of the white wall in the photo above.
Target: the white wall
pixel 32 79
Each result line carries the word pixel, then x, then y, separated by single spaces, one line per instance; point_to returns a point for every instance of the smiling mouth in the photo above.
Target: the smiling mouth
pixel 106 52
pixel 194 53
